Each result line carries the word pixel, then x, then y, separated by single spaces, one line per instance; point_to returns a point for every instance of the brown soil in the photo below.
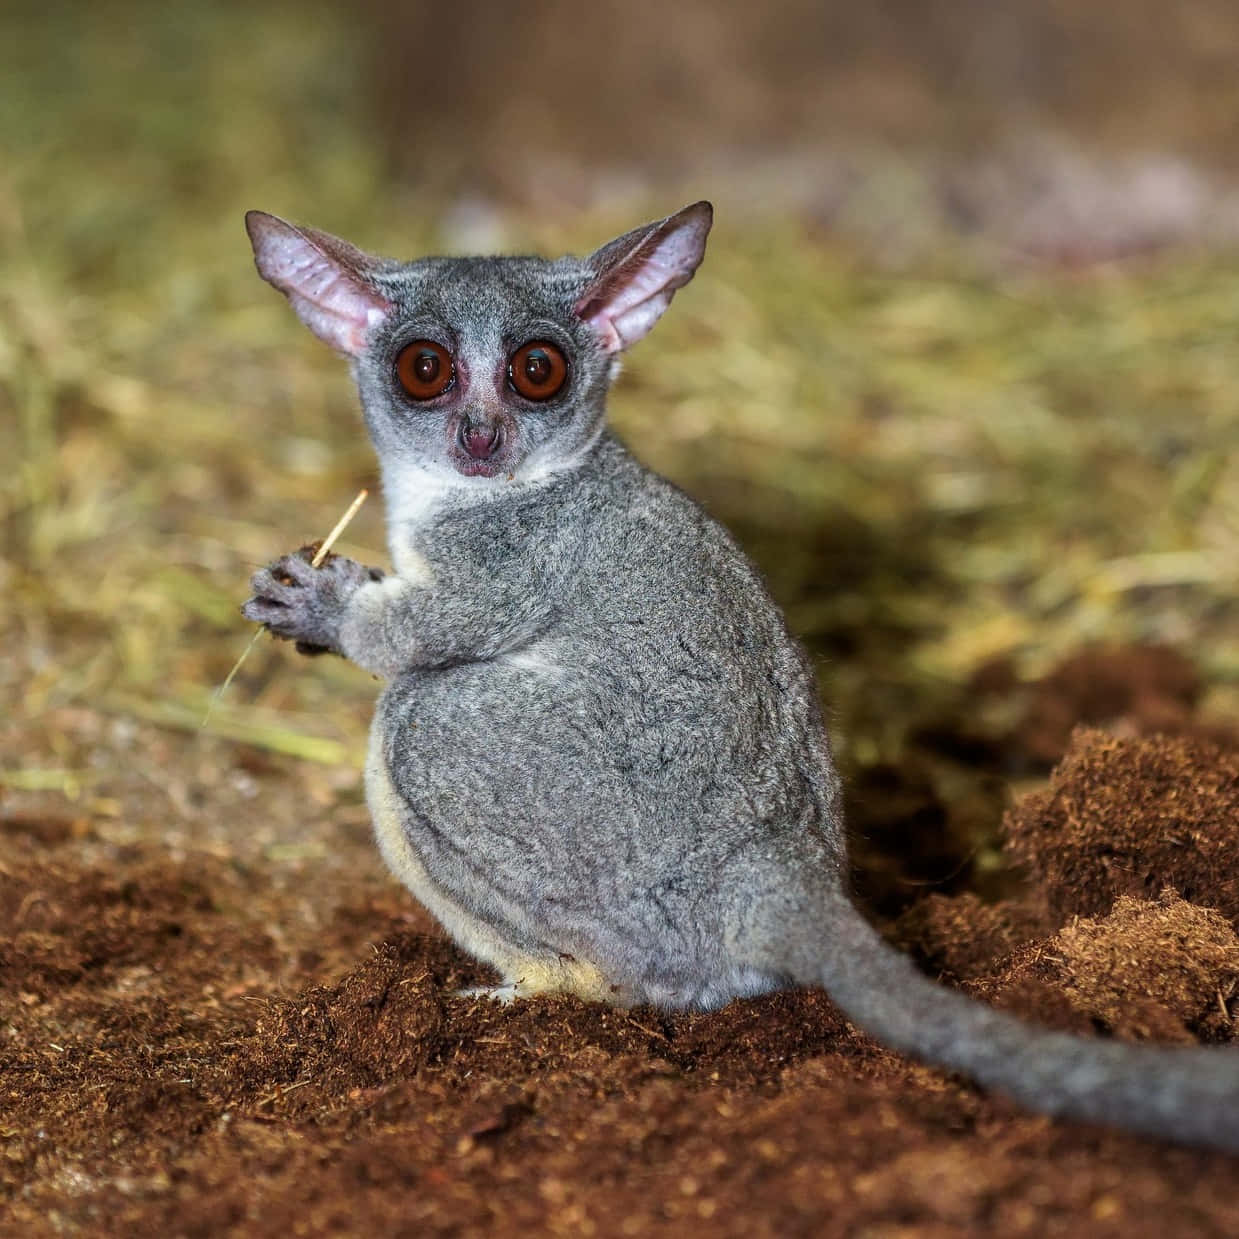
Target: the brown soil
pixel 203 1039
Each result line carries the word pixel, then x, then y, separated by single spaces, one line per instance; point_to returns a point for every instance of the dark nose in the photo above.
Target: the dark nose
pixel 480 442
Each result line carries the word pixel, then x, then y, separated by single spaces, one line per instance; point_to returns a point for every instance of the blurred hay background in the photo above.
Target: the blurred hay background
pixel 960 367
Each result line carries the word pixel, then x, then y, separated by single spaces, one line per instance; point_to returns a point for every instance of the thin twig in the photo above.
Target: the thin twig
pixel 317 562
pixel 223 688
pixel 340 526
pixel 281 1093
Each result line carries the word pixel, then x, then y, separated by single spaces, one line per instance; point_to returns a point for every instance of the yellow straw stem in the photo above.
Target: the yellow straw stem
pixel 328 542
pixel 340 526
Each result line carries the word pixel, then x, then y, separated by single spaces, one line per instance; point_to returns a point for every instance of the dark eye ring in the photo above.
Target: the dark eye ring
pixel 537 370
pixel 425 369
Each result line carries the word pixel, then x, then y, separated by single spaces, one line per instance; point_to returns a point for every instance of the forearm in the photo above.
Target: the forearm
pixel 387 625
pixel 394 625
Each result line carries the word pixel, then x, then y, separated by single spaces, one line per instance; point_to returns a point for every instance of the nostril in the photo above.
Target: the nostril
pixel 480 442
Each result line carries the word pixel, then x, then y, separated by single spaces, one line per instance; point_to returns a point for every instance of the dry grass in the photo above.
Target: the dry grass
pixel 935 466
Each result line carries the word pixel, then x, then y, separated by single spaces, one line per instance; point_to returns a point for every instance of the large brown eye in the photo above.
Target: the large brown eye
pixel 537 370
pixel 424 369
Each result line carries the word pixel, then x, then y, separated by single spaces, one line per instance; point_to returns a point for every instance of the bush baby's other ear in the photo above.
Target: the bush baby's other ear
pixel 636 275
pixel 325 279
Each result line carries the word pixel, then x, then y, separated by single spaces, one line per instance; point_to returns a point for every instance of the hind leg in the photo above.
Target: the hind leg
pixel 525 971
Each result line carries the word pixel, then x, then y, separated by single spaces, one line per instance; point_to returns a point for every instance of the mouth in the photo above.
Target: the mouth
pixel 478 468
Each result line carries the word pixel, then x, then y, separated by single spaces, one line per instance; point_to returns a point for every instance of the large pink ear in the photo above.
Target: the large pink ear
pixel 636 275
pixel 326 280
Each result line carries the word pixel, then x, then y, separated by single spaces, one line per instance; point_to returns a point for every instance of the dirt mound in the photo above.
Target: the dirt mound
pixel 188 1052
pixel 1152 970
pixel 1129 817
pixel 959 937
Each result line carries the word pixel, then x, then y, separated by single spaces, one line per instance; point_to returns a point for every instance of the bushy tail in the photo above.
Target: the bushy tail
pixel 1187 1095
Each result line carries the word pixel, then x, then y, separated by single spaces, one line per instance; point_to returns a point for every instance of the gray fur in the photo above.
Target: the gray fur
pixel 603 748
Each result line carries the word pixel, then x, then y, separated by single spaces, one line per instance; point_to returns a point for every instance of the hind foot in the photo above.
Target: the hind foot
pixel 549 975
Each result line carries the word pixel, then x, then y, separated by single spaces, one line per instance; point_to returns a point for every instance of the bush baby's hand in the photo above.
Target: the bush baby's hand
pixel 298 602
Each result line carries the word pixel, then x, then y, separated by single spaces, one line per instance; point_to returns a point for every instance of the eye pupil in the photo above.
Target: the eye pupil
pixel 537 367
pixel 426 367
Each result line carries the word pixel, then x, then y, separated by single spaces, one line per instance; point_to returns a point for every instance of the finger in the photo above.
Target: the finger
pixel 293 569
pixel 271 583
pixel 272 615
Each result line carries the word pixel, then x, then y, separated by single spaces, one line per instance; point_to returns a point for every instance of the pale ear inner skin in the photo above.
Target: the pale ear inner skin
pixel 322 277
pixel 639 274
